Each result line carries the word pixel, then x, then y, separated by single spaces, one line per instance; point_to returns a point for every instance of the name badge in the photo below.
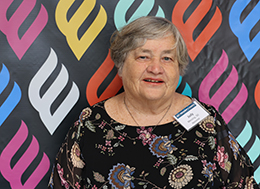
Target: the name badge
pixel 191 115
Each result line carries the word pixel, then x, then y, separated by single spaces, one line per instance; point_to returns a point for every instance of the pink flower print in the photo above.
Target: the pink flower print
pixel 63 181
pixel 204 162
pixel 94 187
pixel 121 138
pixel 104 148
pixel 77 185
pixel 146 135
pixel 124 134
pixel 108 142
pixel 102 125
pixel 202 144
pixel 158 163
pixel 222 157
pixel 110 149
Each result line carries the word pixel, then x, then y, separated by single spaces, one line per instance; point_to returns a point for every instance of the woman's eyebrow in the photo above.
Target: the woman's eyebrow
pixel 170 51
pixel 144 50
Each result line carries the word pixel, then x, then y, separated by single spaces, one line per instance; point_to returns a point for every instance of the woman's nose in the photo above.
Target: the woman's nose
pixel 155 67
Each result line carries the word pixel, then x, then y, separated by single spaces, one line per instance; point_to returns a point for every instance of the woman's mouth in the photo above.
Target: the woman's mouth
pixel 153 81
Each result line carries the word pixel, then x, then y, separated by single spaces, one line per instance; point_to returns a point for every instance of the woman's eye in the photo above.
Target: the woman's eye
pixel 167 58
pixel 142 57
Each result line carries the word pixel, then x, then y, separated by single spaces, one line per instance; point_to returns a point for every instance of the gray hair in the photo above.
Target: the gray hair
pixel 136 33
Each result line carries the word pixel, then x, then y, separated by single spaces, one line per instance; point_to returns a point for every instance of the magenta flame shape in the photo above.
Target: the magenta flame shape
pixel 14 174
pixel 10 27
pixel 224 90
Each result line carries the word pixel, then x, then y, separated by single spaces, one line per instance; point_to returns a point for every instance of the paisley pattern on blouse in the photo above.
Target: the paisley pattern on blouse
pixel 162 146
pixel 208 169
pixel 120 176
pixel 233 145
pixel 75 156
pixel 100 153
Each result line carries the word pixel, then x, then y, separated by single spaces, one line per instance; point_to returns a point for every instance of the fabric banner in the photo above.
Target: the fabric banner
pixel 54 61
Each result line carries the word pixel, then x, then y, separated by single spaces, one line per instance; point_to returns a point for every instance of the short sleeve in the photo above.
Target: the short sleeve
pixel 235 166
pixel 69 163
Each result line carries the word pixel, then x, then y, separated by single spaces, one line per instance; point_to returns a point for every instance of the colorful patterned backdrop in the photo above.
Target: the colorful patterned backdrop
pixel 54 61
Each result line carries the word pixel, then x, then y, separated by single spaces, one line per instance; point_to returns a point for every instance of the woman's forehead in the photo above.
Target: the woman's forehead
pixel 164 44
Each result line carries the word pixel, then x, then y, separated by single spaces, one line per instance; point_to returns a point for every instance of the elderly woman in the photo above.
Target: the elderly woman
pixel 138 138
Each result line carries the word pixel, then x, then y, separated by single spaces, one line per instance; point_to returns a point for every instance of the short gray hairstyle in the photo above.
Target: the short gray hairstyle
pixel 135 34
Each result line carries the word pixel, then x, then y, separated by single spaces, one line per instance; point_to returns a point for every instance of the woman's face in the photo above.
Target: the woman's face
pixel 151 72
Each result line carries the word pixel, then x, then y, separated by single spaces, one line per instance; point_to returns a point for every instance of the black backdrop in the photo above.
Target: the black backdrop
pixel 54 62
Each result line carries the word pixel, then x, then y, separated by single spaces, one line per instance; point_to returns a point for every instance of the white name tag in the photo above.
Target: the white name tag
pixel 191 115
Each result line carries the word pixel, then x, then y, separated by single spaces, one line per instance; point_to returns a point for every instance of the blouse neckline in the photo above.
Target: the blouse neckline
pixel 102 104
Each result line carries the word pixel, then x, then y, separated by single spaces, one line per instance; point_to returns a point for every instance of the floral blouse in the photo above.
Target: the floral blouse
pixel 101 153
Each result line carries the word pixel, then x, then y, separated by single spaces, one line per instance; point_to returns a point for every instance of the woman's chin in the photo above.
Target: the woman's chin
pixel 154 96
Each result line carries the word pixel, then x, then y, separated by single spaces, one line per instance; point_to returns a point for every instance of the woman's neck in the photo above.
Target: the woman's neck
pixel 144 112
pixel 144 106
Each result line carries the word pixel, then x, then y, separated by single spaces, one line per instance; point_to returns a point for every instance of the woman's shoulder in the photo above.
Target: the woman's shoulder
pixel 113 107
pixel 185 101
pixel 213 114
pixel 209 107
pixel 214 117
pixel 88 111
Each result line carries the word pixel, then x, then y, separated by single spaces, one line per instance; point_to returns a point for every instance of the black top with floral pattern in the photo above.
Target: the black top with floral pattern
pixel 99 152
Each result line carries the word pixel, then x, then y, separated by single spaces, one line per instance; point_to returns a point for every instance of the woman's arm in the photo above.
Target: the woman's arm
pixel 68 165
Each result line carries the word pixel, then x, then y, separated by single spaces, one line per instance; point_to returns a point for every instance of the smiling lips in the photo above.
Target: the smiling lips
pixel 153 80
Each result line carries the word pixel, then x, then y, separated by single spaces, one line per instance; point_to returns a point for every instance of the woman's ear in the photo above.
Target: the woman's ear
pixel 119 71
